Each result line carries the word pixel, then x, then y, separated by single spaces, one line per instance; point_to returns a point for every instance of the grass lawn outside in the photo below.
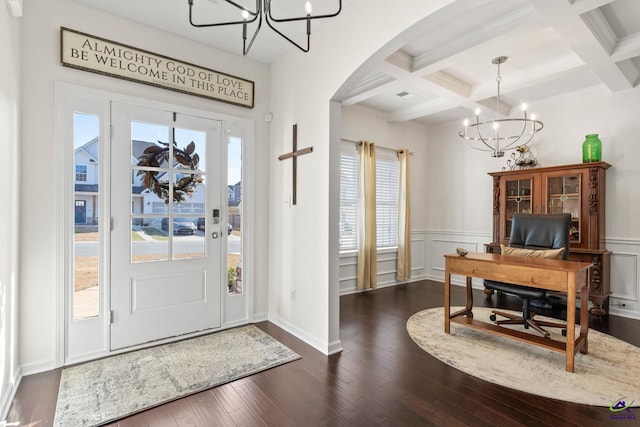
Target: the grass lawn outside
pixel 86 267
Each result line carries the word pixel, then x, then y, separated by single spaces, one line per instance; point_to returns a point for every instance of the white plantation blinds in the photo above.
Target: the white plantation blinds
pixel 348 196
pixel 386 196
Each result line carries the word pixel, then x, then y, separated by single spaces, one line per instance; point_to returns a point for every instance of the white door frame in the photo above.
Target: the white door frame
pixel 236 309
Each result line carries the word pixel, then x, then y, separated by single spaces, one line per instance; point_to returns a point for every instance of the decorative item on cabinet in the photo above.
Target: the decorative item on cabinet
pixel 577 189
pixel 522 160
pixel 591 149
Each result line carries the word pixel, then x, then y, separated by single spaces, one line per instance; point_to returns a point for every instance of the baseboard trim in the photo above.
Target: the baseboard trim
pixel 325 348
pixel 7 398
pixel 38 367
pixel 354 290
pixel 260 317
pixel 614 311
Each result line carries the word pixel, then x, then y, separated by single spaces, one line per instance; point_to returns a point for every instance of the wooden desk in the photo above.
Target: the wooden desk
pixel 555 275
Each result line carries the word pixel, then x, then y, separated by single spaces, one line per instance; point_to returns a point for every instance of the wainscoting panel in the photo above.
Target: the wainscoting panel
pixel 387 266
pixel 427 262
pixel 441 242
pixel 442 247
pixel 624 274
pixel 625 283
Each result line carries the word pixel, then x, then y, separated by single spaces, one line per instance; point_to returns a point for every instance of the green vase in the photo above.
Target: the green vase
pixel 591 149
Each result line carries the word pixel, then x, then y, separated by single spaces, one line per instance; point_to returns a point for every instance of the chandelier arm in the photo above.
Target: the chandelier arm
pixel 254 15
pixel 242 8
pixel 246 49
pixel 267 8
pixel 263 7
pixel 301 18
pixel 513 139
pixel 491 149
pixel 530 137
pixel 482 138
pixel 533 123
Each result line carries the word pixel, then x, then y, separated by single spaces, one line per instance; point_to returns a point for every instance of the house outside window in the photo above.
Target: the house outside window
pixel 81 173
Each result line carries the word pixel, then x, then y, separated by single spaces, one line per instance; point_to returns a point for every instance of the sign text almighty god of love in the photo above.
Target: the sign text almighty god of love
pixel 89 53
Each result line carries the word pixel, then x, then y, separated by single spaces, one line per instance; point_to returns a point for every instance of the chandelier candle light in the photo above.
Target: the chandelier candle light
pixel 263 7
pixel 500 134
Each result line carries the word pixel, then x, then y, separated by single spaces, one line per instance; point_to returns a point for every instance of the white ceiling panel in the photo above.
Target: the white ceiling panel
pixel 554 48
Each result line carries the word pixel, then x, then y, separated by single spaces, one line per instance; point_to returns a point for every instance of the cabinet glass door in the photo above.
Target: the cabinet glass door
pixel 563 196
pixel 518 194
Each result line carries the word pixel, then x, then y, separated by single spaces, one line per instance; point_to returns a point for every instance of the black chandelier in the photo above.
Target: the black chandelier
pixel 263 7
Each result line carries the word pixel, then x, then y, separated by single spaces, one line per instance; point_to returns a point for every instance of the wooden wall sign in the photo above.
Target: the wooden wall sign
pixel 98 55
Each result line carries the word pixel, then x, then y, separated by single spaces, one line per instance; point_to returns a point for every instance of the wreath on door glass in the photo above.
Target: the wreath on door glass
pixel 154 156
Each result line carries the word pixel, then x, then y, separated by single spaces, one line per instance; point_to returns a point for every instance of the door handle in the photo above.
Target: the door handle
pixel 214 235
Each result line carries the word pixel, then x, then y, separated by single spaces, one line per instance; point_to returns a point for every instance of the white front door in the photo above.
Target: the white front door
pixel 167 224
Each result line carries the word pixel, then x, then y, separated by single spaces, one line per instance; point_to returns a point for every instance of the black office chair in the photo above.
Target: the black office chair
pixel 537 232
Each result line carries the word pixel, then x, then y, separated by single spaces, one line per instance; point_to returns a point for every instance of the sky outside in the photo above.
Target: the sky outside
pixel 86 127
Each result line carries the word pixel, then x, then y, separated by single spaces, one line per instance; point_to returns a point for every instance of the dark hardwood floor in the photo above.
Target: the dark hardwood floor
pixel 380 379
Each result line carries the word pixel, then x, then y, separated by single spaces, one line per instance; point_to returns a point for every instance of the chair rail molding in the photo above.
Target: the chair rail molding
pixel 429 245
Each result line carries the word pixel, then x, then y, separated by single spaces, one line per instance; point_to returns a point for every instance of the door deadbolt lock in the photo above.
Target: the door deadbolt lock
pixel 214 235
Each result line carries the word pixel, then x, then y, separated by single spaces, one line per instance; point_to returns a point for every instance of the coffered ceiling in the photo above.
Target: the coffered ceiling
pixel 555 48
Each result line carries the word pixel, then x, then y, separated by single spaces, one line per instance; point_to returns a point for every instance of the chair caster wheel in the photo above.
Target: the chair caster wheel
pixel 564 332
pixel 493 317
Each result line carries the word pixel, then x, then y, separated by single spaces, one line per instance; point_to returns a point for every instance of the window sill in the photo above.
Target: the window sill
pixel 390 250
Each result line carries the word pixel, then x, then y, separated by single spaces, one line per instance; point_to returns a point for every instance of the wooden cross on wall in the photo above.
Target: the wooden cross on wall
pixel 294 154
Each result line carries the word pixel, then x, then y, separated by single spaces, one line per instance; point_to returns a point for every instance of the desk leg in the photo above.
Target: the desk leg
pixel 469 306
pixel 447 298
pixel 584 312
pixel 571 321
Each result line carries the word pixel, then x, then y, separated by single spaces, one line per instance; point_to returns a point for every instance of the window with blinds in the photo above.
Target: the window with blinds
pixel 348 196
pixel 387 172
pixel 387 182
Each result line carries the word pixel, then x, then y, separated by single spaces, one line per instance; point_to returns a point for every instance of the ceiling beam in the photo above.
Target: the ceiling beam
pixel 590 36
pixel 582 6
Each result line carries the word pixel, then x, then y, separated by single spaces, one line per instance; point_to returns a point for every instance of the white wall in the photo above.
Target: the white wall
pixel 304 269
pixel 302 239
pixel 452 192
pixel 459 181
pixel 41 70
pixel 9 188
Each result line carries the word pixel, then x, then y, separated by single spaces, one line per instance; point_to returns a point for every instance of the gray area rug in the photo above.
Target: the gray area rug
pixel 609 372
pixel 105 390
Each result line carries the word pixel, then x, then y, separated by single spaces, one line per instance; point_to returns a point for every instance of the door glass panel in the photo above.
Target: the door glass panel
pixel 564 197
pixel 190 150
pixel 518 200
pixel 86 265
pixel 189 194
pixel 167 196
pixel 234 209
pixel 148 241
pixel 150 153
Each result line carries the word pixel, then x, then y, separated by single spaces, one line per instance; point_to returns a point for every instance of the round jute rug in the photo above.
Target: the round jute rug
pixel 608 373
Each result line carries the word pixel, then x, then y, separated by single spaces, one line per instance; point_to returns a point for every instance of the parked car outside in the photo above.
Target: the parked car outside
pixel 181 226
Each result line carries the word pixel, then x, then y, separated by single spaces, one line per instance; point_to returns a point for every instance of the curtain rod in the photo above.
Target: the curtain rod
pixel 378 146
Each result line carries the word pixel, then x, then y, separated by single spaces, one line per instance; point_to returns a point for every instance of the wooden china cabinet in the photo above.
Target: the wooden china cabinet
pixel 577 189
